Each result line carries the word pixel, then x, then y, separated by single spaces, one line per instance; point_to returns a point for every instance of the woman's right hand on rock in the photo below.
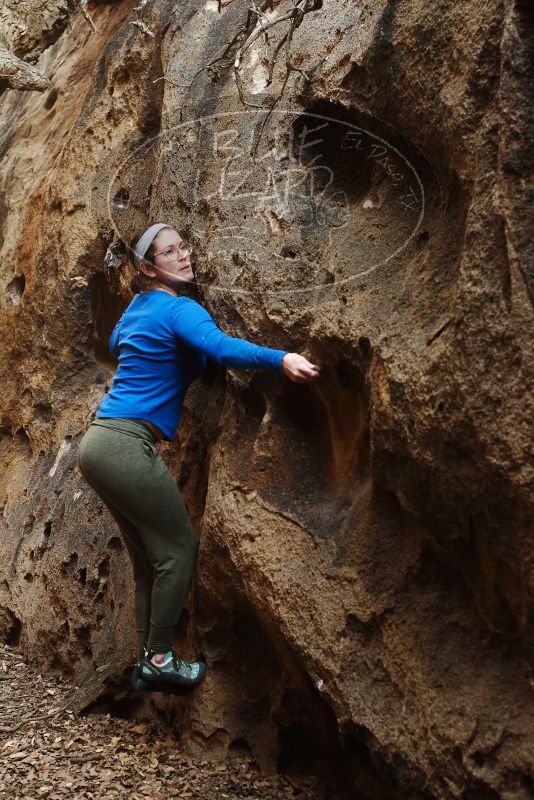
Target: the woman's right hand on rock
pixel 298 369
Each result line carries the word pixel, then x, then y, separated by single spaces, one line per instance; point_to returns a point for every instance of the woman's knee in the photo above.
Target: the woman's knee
pixel 177 561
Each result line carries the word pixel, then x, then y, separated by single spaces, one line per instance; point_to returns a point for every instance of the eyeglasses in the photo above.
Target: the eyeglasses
pixel 172 253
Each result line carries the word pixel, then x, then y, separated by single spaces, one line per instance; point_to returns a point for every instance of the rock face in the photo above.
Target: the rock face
pixel 27 27
pixel 363 594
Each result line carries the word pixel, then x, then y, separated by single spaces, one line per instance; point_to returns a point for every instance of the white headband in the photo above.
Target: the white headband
pixel 144 241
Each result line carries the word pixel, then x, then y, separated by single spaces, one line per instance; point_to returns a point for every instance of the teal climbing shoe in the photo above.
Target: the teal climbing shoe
pixel 172 672
pixel 140 686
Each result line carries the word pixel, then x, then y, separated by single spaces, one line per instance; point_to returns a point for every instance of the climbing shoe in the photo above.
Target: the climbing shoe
pixel 141 686
pixel 173 671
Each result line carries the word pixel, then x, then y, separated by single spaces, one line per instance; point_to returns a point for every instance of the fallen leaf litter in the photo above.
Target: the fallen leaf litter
pixel 47 751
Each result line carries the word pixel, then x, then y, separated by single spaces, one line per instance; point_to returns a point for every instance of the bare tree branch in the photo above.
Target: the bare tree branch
pixel 261 27
pixel 19 74
pixel 85 12
pixel 27 28
pixel 140 24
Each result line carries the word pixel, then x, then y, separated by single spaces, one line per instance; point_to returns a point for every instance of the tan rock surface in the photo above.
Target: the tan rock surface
pixel 363 594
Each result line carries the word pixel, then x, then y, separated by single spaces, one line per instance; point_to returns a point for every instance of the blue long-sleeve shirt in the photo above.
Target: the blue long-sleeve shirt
pixel 162 342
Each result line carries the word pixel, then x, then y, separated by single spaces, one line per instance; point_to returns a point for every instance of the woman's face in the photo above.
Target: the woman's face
pixel 172 266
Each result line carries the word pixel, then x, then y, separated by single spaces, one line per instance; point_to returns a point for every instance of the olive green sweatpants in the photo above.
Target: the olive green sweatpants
pixel 119 459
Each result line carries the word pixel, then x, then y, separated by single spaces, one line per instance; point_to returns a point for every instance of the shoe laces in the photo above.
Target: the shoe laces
pixel 177 662
pixel 180 662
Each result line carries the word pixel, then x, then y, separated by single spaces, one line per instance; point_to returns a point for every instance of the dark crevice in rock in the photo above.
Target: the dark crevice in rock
pixel 107 307
pixel 10 627
pixel 370 192
pixel 240 747
pixel 70 563
pixel 325 146
pixel 83 637
pixel 23 442
pixel 50 99
pixel 15 288
pixel 279 711
pixel 115 543
pixel 117 706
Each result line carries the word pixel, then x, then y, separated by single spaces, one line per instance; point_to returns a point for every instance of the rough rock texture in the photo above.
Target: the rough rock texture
pixel 364 586
pixel 27 27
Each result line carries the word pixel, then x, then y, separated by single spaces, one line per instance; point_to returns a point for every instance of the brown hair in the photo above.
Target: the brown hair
pixel 140 280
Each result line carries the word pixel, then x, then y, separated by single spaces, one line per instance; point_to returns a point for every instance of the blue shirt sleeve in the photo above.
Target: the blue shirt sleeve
pixel 114 339
pixel 193 325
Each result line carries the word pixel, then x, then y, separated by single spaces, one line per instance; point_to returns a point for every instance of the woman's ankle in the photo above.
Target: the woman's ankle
pixel 158 657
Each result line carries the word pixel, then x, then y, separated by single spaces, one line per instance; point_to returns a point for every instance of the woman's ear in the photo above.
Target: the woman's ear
pixel 143 267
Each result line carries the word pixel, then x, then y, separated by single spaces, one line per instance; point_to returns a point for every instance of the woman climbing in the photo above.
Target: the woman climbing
pixel 161 341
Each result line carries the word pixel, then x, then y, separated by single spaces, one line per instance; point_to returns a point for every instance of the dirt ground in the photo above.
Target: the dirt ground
pixel 47 750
